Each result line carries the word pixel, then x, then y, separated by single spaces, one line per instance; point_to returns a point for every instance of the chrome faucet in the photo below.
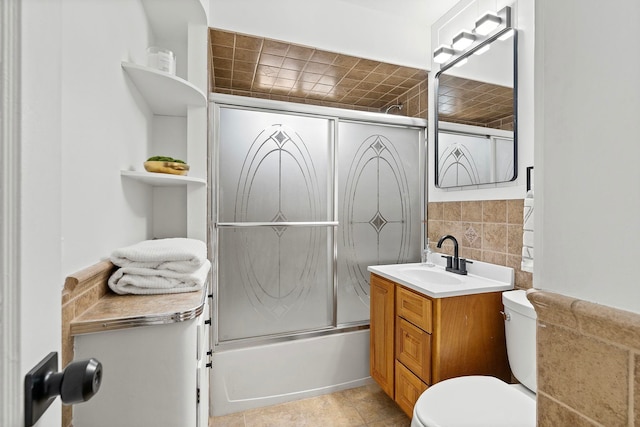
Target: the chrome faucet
pixel 455 264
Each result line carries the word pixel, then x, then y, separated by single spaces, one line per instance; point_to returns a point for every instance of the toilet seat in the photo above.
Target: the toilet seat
pixel 474 401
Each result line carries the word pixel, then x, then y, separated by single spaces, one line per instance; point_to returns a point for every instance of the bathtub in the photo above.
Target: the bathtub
pixel 269 374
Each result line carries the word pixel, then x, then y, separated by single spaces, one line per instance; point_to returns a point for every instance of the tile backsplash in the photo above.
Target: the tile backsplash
pixel 489 231
pixel 588 360
pixel 81 290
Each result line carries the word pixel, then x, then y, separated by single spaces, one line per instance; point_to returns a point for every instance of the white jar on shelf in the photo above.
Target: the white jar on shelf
pixel 161 59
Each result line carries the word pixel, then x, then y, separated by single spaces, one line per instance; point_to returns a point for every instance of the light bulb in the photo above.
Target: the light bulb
pixel 482 50
pixel 461 62
pixel 463 40
pixel 487 23
pixel 442 54
pixel 507 35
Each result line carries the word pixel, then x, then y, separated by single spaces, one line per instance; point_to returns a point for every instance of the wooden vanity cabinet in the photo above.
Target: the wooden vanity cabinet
pixel 408 388
pixel 433 339
pixel 381 356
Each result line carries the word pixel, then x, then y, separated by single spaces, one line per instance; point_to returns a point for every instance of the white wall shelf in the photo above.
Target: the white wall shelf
pixel 162 179
pixel 166 94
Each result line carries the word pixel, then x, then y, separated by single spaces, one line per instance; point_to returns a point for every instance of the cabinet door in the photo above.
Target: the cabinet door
pixel 382 329
pixel 413 349
pixel 468 337
pixel 408 389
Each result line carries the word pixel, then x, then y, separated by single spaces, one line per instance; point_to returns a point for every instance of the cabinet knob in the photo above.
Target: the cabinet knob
pixel 207 322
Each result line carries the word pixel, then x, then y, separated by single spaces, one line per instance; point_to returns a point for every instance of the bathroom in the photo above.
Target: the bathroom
pixel 569 127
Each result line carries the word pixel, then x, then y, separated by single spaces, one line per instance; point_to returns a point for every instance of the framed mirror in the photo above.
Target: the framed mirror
pixel 476 115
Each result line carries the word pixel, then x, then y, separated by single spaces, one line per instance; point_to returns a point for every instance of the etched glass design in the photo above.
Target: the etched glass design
pixel 271 283
pixel 379 207
pixel 273 167
pixel 466 159
pixel 273 278
pixel 274 171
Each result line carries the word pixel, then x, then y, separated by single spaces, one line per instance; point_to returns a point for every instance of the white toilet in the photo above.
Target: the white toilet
pixel 483 401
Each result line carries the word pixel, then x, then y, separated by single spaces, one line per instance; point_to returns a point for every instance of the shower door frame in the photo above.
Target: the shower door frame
pixel 218 101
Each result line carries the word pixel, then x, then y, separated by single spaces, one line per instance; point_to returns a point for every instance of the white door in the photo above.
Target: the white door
pixel 30 255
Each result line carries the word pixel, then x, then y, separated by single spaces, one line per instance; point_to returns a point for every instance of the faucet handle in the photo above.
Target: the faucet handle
pixel 449 259
pixel 463 265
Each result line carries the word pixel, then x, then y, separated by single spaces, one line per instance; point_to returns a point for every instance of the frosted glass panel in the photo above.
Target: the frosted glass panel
pixel 504 158
pixel 467 159
pixel 273 280
pixel 379 207
pixel 273 167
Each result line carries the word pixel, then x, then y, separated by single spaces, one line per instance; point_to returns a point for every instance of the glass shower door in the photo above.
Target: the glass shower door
pixel 274 224
pixel 379 206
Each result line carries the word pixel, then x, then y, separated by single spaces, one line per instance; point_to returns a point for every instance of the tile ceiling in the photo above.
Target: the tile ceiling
pixel 473 102
pixel 259 65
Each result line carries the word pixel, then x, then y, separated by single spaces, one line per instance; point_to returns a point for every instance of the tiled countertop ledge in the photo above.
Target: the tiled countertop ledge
pixel 114 311
pixel 589 318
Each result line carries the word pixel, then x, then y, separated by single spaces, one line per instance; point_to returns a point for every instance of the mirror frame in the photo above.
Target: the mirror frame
pixel 490 39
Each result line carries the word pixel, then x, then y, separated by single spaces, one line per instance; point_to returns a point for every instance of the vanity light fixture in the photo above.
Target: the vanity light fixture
pixel 442 54
pixel 463 40
pixel 506 35
pixel 482 50
pixel 461 62
pixel 487 23
pixel 489 27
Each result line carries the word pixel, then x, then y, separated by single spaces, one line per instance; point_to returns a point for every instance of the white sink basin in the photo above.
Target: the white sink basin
pixel 431 275
pixel 436 282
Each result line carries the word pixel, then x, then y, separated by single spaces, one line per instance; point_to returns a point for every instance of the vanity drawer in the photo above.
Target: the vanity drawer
pixel 413 349
pixel 408 389
pixel 414 307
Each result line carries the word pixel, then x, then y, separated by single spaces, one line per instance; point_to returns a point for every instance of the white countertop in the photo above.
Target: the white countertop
pixel 436 282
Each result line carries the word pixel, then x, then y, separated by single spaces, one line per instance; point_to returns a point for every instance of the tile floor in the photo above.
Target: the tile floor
pixel 366 406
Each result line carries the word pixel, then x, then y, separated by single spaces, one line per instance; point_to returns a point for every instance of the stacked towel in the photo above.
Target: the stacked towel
pixel 527 235
pixel 160 266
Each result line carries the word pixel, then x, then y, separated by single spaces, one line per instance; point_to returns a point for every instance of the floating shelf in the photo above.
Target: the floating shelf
pixel 162 179
pixel 166 94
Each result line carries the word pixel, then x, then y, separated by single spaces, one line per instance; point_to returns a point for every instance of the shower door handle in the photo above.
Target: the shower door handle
pixel 278 224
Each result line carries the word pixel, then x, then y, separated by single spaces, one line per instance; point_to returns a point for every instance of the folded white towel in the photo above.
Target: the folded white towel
pixel 527 234
pixel 147 281
pixel 175 254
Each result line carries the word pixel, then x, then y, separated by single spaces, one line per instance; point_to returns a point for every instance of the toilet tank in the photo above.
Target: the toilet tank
pixel 520 331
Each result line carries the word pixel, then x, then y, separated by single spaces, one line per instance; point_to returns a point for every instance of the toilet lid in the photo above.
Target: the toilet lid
pixel 476 401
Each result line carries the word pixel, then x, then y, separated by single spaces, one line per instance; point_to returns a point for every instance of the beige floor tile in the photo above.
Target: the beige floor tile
pixel 285 415
pixel 232 420
pixel 330 410
pixel 396 421
pixel 366 406
pixel 374 405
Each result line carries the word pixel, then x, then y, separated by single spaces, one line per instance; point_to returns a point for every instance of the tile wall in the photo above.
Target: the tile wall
pixel 489 230
pixel 414 102
pixel 588 363
pixel 471 102
pixel 252 66
pixel 76 299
